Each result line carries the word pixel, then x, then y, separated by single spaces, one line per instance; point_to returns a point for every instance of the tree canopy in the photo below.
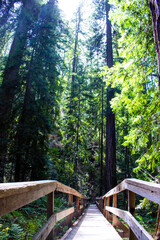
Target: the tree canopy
pixel 79 104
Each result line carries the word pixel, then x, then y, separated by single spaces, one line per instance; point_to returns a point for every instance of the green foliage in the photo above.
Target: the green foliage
pixel 55 121
pixel 23 223
pixel 136 105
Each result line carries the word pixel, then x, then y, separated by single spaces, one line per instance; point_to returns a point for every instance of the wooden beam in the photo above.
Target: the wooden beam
pixel 48 226
pixel 77 204
pixel 16 195
pixel 104 205
pixel 65 189
pixel 145 189
pixel 138 230
pixel 108 215
pixel 64 213
pixel 114 220
pixel 125 233
pixel 131 209
pixel 9 189
pixel 50 211
pixel 70 201
pixel 25 196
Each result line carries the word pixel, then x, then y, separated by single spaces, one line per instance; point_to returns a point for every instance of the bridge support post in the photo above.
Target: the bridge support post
pixel 131 209
pixel 104 205
pixel 114 220
pixel 107 213
pixel 101 205
pixel 70 200
pixel 77 206
pixel 50 211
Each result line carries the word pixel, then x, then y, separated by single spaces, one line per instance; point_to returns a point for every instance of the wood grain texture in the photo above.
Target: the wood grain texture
pixel 138 230
pixel 49 225
pixel 145 189
pixel 16 195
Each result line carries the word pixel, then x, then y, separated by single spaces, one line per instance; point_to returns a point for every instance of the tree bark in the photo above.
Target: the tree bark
pixel 155 11
pixel 20 137
pixel 110 117
pixel 74 90
pixel 101 162
pixel 78 20
pixel 10 84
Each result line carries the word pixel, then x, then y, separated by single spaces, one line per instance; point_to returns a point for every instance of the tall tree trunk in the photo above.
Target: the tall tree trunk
pixel 110 121
pixel 101 162
pixel 73 88
pixel 10 82
pixel 21 138
pixel 78 21
pixel 155 11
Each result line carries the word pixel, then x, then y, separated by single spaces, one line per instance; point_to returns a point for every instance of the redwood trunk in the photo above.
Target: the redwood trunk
pixel 110 122
pixel 155 11
pixel 10 84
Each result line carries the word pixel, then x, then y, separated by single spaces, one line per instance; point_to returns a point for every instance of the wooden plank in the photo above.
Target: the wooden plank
pixel 64 213
pixel 108 216
pixel 131 209
pixel 138 230
pixel 81 207
pixel 145 189
pixel 70 217
pixel 92 226
pixel 50 211
pixel 101 205
pixel 77 203
pixel 46 229
pixel 119 188
pixel 114 219
pixel 104 205
pixel 125 232
pixel 9 189
pixel 48 226
pixel 97 203
pixel 65 189
pixel 13 202
pixel 16 195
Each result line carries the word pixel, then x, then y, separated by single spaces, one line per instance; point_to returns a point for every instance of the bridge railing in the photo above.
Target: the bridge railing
pixel 17 195
pixel 145 189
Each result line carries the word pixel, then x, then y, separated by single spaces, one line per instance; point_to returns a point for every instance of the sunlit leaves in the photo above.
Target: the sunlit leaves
pixel 136 104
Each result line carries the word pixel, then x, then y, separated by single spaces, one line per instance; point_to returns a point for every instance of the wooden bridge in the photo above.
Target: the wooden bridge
pixel 97 223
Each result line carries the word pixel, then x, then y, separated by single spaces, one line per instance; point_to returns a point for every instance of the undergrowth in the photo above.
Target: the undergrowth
pixel 23 223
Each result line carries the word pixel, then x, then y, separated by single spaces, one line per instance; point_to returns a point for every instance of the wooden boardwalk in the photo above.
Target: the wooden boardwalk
pixel 92 226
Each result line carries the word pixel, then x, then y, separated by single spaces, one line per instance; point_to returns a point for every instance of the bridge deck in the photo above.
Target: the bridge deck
pixel 92 226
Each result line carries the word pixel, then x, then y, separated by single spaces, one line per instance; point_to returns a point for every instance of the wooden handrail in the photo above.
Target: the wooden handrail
pixel 145 189
pixel 17 195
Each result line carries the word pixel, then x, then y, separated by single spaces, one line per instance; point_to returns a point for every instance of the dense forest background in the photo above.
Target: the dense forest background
pixel 79 101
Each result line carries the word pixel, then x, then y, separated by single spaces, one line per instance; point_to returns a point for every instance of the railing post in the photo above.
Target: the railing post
pixel 114 220
pixel 104 205
pixel 70 200
pixel 82 201
pixel 107 214
pixel 101 205
pixel 77 206
pixel 131 209
pixel 50 211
